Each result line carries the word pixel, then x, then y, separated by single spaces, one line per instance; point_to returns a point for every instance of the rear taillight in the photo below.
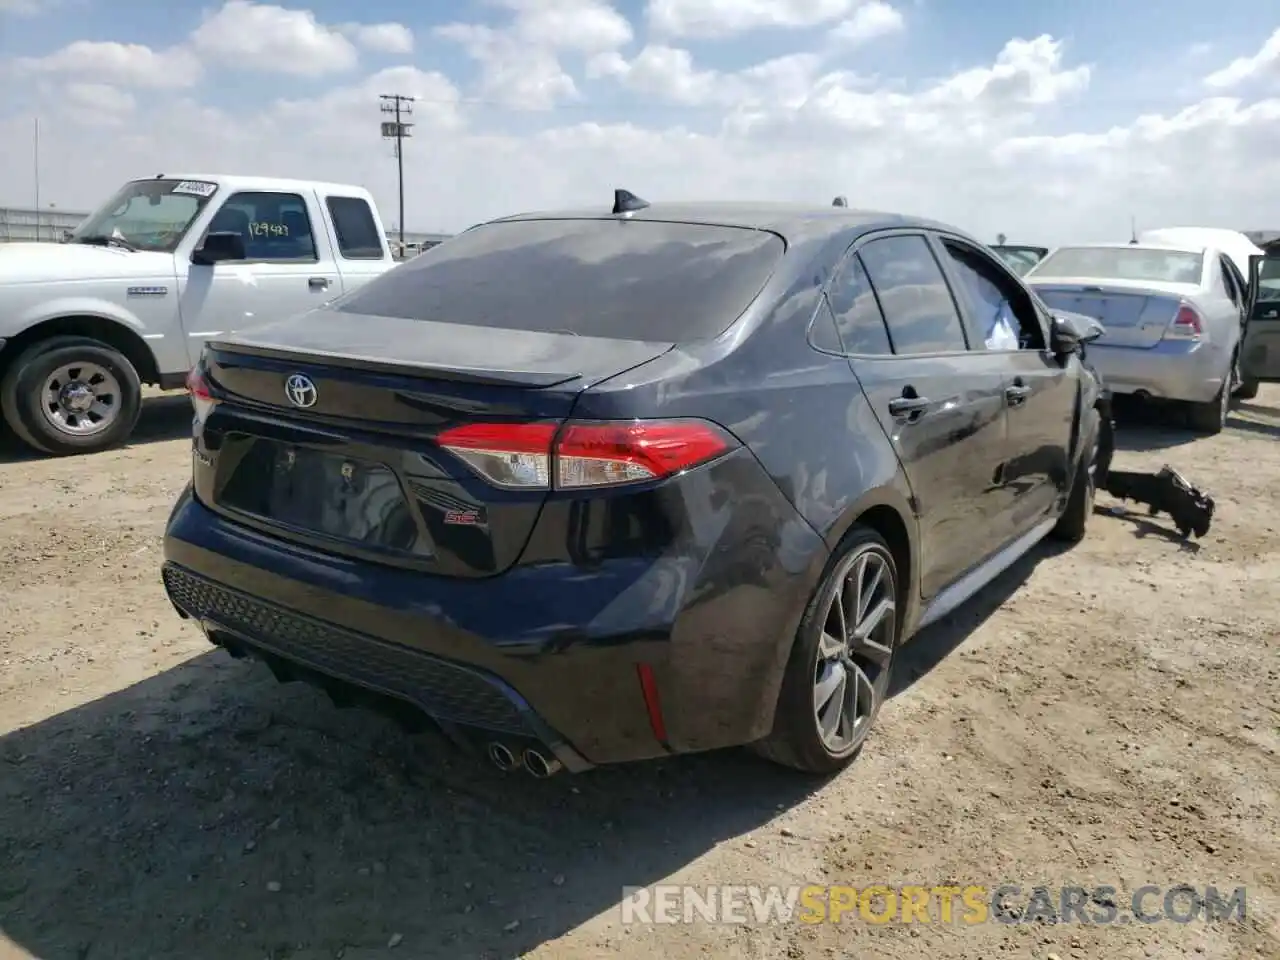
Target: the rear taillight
pixel 202 397
pixel 516 455
pixel 583 454
pixel 1187 324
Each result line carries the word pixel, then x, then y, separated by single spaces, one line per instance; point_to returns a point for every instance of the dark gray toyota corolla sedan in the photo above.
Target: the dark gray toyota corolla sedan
pixel 606 485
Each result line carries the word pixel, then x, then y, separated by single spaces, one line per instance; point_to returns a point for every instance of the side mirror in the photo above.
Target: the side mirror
pixel 1070 331
pixel 218 247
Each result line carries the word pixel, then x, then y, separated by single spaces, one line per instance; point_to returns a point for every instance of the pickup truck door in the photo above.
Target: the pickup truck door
pixel 289 267
pixel 1260 354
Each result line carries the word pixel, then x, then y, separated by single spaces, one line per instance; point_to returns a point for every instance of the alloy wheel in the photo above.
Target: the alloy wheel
pixel 851 676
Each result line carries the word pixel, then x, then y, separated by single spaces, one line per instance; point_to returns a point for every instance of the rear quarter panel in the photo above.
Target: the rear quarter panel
pixel 801 413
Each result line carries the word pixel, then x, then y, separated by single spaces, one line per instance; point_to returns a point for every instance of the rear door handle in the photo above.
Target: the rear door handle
pixel 318 283
pixel 908 408
pixel 1016 396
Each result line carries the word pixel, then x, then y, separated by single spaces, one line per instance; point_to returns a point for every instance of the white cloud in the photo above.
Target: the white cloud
pixel 99 104
pixel 670 73
pixel 121 64
pixel 870 21
pixel 1008 144
pixel 1243 69
pixel 521 62
pixel 275 39
pixel 394 38
pixel 722 18
pixel 24 8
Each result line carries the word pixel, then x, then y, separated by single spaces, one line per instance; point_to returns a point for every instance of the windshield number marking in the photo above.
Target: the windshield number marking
pixel 196 188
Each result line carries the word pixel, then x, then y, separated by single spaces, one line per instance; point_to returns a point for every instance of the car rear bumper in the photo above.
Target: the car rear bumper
pixel 1171 370
pixel 551 653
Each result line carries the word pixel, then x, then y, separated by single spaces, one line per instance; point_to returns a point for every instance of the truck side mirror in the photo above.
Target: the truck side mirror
pixel 219 247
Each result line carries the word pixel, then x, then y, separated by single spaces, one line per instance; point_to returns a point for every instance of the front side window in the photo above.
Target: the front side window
pixel 151 215
pixel 1269 278
pixel 1004 316
pixel 1228 281
pixel 275 226
pixel 914 295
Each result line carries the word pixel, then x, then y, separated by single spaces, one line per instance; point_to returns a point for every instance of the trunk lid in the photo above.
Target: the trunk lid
pixel 325 431
pixel 1133 314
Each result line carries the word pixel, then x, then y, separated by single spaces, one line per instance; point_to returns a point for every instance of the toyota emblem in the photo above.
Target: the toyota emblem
pixel 300 390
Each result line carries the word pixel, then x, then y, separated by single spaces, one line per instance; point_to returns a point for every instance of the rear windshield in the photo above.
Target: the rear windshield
pixel 623 279
pixel 1121 263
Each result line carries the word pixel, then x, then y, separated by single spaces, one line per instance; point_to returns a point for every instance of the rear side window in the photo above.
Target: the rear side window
pixel 1228 281
pixel 914 295
pixel 858 316
pixel 357 231
pixel 622 279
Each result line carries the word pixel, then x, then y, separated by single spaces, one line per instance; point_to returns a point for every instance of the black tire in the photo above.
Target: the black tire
pixel 1074 522
pixel 1211 418
pixel 795 740
pixel 22 401
pixel 1247 390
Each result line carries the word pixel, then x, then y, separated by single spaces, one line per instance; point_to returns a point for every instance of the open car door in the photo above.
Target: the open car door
pixel 1260 352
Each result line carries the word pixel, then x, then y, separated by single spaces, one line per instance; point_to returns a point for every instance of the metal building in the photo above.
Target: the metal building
pixel 24 224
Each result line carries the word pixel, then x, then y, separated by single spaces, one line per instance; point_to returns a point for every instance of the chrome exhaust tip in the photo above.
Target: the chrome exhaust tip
pixel 500 756
pixel 540 765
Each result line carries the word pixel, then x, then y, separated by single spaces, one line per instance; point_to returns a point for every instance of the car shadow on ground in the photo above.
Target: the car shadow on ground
pixel 935 643
pixel 1146 525
pixel 1271 429
pixel 166 417
pixel 208 812
pixel 1150 426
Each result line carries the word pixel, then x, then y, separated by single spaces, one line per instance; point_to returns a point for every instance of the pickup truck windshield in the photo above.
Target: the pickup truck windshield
pixel 146 215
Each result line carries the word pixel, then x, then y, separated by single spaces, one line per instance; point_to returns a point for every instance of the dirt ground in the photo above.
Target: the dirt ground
pixel 1104 715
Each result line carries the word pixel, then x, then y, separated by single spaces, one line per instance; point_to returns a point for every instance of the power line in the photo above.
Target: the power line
pixel 397 130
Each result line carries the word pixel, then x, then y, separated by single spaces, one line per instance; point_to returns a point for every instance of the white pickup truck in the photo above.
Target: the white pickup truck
pixel 162 266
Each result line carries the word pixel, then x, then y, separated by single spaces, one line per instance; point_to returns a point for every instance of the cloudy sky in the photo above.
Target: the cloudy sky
pixel 1050 120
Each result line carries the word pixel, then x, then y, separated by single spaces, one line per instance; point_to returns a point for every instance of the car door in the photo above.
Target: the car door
pixel 1260 355
pixel 1040 391
pixel 940 403
pixel 288 268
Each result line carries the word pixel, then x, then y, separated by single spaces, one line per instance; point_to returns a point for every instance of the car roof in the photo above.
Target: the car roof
pixel 233 181
pixel 792 221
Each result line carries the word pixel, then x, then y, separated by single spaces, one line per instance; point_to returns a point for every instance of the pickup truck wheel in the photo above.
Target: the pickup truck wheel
pixel 71 395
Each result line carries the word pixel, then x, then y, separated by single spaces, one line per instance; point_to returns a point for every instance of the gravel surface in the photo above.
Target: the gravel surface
pixel 1104 715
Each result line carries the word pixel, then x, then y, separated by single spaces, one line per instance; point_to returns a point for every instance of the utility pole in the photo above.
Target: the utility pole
pixel 397 130
pixel 36 159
